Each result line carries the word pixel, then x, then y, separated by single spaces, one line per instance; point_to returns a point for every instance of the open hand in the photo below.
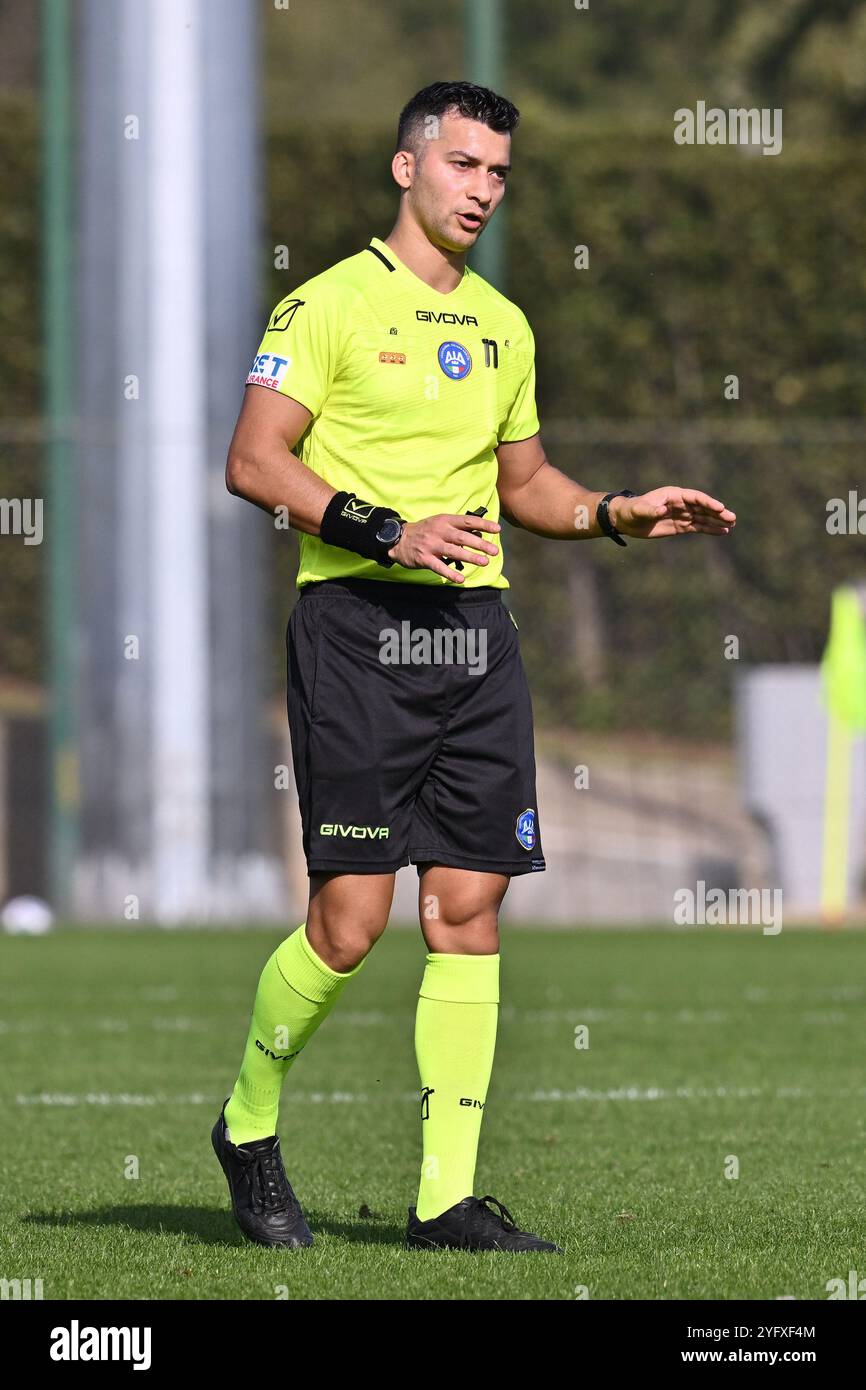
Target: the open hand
pixel 670 511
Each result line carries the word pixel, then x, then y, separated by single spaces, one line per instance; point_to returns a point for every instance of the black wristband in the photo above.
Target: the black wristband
pixel 354 525
pixel 603 519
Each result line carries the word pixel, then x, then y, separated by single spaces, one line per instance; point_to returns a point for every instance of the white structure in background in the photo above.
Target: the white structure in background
pixel 179 813
pixel 782 743
pixel 26 916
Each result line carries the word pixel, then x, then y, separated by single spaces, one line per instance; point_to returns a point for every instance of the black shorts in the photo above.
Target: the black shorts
pixel 411 727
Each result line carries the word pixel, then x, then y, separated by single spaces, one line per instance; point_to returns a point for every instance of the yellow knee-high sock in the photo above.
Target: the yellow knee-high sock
pixel 297 990
pixel 455 1038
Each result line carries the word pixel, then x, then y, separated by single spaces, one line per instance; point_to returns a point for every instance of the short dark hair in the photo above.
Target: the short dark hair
pixel 477 103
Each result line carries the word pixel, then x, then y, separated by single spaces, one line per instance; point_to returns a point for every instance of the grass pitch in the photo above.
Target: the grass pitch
pixel 710 1051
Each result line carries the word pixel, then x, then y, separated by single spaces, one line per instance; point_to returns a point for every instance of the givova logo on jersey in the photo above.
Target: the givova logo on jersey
pixel 454 360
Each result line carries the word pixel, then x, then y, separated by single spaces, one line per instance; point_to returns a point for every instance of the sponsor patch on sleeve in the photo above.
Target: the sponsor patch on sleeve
pixel 268 369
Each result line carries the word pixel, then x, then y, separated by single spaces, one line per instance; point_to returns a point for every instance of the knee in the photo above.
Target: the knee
pixel 468 929
pixel 340 940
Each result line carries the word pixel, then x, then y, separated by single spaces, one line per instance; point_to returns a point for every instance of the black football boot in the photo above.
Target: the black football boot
pixel 473 1225
pixel 264 1205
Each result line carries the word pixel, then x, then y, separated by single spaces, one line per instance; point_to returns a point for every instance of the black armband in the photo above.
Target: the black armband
pixel 363 527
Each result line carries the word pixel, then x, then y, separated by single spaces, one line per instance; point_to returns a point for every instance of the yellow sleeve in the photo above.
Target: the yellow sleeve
pixel 522 419
pixel 298 353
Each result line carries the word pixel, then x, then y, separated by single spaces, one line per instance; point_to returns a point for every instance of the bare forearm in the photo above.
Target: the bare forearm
pixel 280 483
pixel 552 504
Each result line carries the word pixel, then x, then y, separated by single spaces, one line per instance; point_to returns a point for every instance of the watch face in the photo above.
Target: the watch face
pixel 390 531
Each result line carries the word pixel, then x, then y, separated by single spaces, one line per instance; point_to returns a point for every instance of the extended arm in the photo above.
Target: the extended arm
pixel 535 495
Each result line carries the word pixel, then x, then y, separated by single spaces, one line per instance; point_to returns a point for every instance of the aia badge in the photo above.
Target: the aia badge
pixel 525 828
pixel 454 360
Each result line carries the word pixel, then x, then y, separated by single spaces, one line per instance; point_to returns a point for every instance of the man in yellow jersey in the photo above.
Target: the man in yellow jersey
pixel 390 415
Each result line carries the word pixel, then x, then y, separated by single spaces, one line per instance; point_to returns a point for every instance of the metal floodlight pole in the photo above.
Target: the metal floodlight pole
pixel 61 580
pixel 177 454
pixel 483 26
pixel 177 790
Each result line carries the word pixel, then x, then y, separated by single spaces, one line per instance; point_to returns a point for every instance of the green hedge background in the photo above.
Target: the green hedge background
pixel 703 262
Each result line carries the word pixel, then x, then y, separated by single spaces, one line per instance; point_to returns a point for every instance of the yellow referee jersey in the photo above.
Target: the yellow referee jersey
pixel 410 391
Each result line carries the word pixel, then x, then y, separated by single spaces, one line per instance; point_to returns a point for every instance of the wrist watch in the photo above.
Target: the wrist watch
pixel 387 536
pixel 603 519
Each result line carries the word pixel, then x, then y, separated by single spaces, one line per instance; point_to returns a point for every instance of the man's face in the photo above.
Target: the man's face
pixel 459 180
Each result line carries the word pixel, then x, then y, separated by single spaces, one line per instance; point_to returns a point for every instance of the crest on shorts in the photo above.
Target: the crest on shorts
pixel 525 828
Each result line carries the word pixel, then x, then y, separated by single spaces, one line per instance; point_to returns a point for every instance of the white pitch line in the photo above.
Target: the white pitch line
pixel 580 1093
pixel 655 1093
pixel 109 1099
pixel 509 1014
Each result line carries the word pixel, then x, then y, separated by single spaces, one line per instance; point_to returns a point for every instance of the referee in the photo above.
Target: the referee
pixel 390 417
